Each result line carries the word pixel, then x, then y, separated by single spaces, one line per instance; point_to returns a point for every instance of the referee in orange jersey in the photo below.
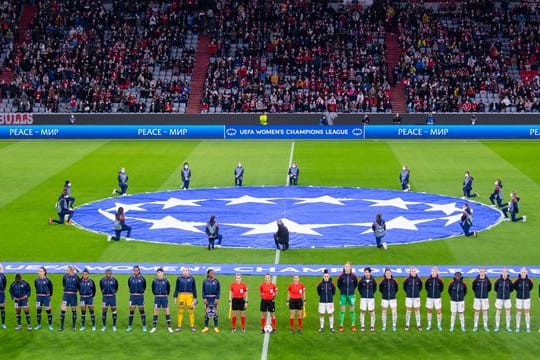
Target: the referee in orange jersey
pixel 296 297
pixel 238 299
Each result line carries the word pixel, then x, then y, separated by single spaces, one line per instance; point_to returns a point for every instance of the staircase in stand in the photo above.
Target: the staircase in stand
pixel 28 13
pixel 393 54
pixel 202 59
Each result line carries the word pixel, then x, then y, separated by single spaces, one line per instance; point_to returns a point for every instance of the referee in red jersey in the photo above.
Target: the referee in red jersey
pixel 238 299
pixel 296 297
pixel 268 291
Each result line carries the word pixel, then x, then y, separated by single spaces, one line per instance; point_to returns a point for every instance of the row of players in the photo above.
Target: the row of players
pixel 185 295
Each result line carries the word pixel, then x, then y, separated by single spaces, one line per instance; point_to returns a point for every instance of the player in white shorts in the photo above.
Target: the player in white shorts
pixel 457 291
pixel 367 287
pixel 326 290
pixel 412 286
pixel 481 287
pixel 388 288
pixel 503 288
pixel 434 287
pixel 523 286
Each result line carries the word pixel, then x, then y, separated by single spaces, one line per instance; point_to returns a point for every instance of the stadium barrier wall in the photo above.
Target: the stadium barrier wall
pixel 234 132
pixel 253 119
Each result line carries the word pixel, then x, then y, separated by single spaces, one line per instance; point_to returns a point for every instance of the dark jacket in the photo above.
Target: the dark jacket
pixel 108 286
pixel 44 286
pixel 137 284
pixel 161 287
pixel 326 291
pixel 389 288
pixel 481 287
pixel 457 290
pixel 19 290
pixel 282 234
pixel 412 286
pixel 211 288
pixel 523 288
pixel 503 288
pixel 347 283
pixel 367 287
pixel 434 287
pixel 185 284
pixel 87 288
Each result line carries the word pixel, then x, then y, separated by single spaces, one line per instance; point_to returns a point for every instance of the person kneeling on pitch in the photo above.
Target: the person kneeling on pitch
pixel 281 237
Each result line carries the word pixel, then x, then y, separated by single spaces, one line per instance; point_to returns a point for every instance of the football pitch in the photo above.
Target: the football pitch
pixel 33 173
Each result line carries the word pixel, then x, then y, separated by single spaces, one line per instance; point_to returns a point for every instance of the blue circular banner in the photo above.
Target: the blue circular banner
pixel 316 217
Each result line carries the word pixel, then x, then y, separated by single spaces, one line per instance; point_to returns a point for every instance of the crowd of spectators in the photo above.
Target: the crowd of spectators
pixel 9 16
pixel 470 56
pixel 103 56
pixel 296 56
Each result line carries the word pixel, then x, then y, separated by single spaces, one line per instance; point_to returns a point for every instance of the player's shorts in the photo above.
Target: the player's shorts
pixel 434 303
pixel 185 300
pixel 109 300
pixel 268 305
pixel 43 301
pixel 412 302
pixel 503 304
pixel 69 300
pixel 347 300
pixel 136 300
pixel 87 301
pixel 21 303
pixel 161 302
pixel 296 304
pixel 457 306
pixel 327 308
pixel 367 304
pixel 238 304
pixel 2 297
pixel 392 303
pixel 523 304
pixel 481 304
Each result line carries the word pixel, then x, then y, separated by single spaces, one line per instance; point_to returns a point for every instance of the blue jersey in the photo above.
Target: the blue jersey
pixel 71 284
pixel 185 284
pixel 211 288
pixel 161 287
pixel 19 290
pixel 3 282
pixel 44 286
pixel 87 288
pixel 137 285
pixel 108 286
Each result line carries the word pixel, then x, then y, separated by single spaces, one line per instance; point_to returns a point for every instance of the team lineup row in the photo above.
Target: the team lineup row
pixel 348 284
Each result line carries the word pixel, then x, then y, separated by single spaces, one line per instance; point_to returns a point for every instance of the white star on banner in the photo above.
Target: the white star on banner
pixel 128 207
pixel 402 222
pixel 173 202
pixel 448 209
pixel 293 227
pixel 395 202
pixel 452 219
pixel 249 199
pixel 322 199
pixel 169 222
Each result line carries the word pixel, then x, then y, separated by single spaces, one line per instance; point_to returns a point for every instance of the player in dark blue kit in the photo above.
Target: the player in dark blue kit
pixel 238 174
pixel 467 186
pixel 185 174
pixel 161 288
pixel 466 221
pixel 404 176
pixel 69 197
pixel 62 209
pixel 87 291
pixel 137 287
pixel 109 287
pixel 3 283
pixel 513 209
pixel 294 173
pixel 211 291
pixel 20 291
pixel 497 194
pixel 44 291
pixel 70 283
pixel 122 182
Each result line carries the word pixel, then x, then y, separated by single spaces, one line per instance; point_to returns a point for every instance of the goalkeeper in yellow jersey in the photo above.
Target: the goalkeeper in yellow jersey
pixel 185 295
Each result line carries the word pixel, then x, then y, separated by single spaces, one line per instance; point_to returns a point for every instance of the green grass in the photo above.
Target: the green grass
pixel 33 174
